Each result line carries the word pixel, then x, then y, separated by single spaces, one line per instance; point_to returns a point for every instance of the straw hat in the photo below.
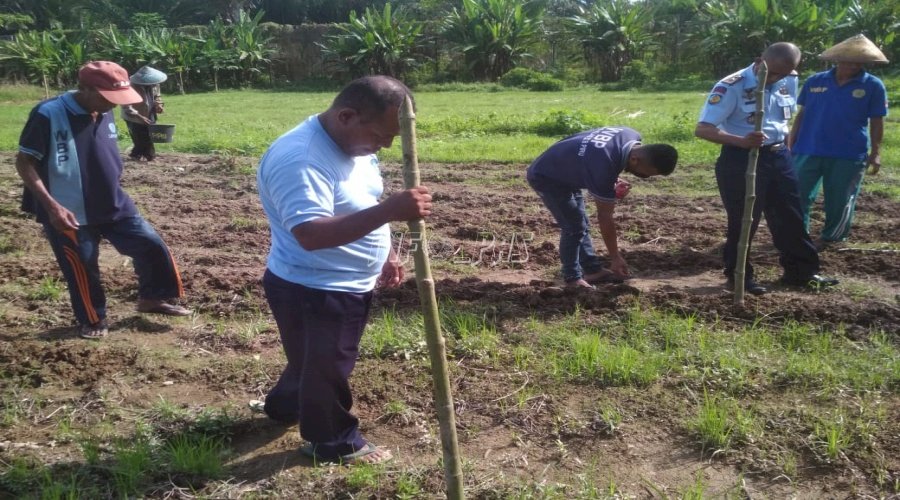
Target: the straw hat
pixel 856 49
pixel 148 76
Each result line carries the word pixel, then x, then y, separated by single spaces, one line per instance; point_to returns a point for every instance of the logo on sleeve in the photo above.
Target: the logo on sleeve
pixel 859 93
pixel 715 99
pixel 112 131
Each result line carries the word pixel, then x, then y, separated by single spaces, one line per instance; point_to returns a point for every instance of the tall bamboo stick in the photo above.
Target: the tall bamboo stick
pixel 443 400
pixel 762 72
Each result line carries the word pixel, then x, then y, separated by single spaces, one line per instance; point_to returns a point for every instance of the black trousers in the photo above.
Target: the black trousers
pixel 143 145
pixel 320 332
pixel 778 197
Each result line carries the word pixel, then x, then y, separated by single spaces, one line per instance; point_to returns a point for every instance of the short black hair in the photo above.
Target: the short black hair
pixel 663 157
pixel 785 52
pixel 371 95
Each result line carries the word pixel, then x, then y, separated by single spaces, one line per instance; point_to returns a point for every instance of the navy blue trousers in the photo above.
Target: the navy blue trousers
pixel 77 253
pixel 320 332
pixel 778 197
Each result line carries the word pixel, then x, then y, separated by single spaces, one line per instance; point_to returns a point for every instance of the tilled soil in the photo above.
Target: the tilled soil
pixel 493 246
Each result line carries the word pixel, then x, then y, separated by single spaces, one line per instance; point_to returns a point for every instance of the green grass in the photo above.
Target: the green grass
pixel 721 422
pixel 196 456
pixel 646 345
pixel 49 289
pixel 132 465
pixel 393 334
pixel 505 126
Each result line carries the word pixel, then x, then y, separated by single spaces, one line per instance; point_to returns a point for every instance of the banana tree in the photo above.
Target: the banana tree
pixel 252 45
pixel 494 35
pixel 36 55
pixel 612 33
pixel 375 43
pixel 878 20
pixel 215 59
pixel 113 45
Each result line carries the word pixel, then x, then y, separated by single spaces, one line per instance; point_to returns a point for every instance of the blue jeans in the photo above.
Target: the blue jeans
pixel 320 332
pixel 77 253
pixel 576 252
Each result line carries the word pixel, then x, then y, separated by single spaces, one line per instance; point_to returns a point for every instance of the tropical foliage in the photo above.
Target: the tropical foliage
pixel 493 35
pixel 382 42
pixel 213 43
pixel 612 34
pixel 239 49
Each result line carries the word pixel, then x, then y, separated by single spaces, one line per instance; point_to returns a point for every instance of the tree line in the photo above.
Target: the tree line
pixel 212 43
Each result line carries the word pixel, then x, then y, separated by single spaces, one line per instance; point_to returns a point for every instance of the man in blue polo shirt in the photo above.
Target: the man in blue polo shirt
pixel 320 185
pixel 70 165
pixel 727 119
pixel 829 138
pixel 593 160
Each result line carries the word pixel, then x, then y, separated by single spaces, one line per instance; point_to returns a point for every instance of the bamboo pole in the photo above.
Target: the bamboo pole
pixel 762 72
pixel 443 399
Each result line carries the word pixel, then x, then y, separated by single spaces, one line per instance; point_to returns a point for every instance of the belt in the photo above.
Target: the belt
pixel 773 148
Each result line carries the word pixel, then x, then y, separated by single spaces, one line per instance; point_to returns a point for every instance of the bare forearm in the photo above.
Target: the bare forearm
pixel 329 232
pixel 714 134
pixel 608 232
pixel 26 166
pixel 876 133
pixel 795 129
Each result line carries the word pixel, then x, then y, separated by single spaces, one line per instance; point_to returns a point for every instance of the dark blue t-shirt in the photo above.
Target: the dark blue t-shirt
pixel 589 160
pixel 93 190
pixel 836 117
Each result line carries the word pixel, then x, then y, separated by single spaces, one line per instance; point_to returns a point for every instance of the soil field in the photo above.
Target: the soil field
pixel 523 433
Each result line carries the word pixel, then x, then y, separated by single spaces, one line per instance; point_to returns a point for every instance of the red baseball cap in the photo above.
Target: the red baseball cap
pixel 110 80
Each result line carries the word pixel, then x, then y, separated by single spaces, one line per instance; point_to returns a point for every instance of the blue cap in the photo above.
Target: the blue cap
pixel 148 76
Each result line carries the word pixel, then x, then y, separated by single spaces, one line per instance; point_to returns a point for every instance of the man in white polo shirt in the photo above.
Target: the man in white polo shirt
pixel 320 185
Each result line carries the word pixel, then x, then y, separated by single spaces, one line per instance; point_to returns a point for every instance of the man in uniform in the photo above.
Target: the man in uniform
pixel 829 139
pixel 727 119
pixel 593 160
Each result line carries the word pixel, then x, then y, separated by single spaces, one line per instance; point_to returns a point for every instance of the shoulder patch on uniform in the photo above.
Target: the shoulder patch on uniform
pixel 732 79
pixel 714 99
pixel 720 89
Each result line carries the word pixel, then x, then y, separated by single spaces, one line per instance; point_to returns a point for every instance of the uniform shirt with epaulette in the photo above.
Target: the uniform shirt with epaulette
pixel 731 106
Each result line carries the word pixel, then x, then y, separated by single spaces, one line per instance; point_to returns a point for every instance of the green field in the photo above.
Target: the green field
pixel 510 126
pixel 658 391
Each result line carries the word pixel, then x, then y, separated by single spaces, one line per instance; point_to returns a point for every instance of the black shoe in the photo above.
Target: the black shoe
pixel 814 282
pixel 750 286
